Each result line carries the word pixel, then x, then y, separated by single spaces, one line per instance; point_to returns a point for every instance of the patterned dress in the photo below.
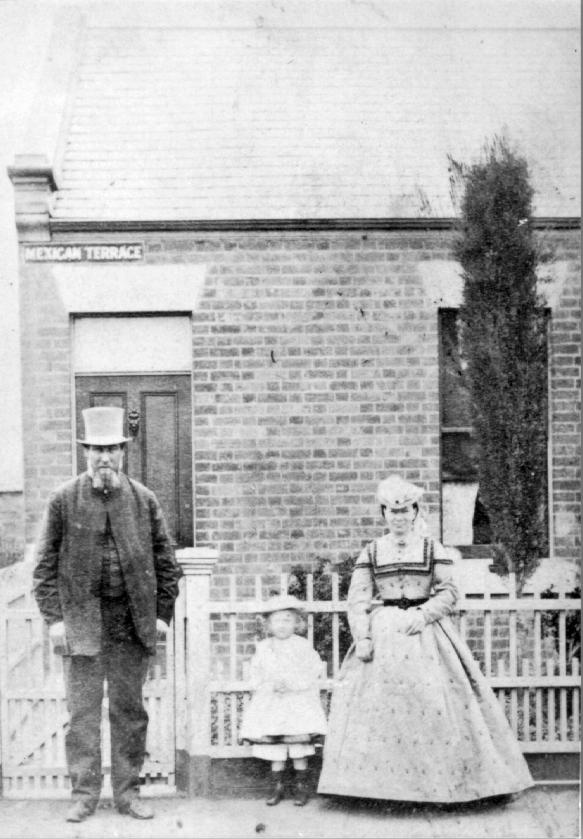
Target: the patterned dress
pixel 419 722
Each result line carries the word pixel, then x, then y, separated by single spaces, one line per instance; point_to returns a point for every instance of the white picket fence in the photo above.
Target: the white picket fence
pixel 539 690
pixel 33 707
pixel 197 686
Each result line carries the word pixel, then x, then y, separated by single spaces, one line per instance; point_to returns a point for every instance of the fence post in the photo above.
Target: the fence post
pixel 193 670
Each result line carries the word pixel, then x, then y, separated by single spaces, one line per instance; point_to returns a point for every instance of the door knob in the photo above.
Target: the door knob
pixel 134 422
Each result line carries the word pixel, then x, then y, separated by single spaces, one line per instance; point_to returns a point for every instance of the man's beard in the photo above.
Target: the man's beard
pixel 106 479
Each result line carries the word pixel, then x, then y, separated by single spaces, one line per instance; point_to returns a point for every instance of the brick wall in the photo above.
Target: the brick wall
pixel 11 527
pixel 46 391
pixel 315 374
pixel 565 372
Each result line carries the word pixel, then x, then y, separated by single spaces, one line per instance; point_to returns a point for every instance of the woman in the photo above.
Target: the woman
pixel 412 717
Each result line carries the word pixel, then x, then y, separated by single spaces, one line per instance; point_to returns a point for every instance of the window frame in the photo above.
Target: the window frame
pixel 484 550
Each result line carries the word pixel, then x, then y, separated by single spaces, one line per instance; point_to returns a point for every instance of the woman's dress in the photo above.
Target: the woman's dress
pixel 295 715
pixel 419 722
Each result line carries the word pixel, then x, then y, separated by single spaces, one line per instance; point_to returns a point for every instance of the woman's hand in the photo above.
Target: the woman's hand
pixel 363 649
pixel 415 621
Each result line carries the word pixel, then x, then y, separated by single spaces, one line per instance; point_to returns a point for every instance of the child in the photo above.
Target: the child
pixel 285 712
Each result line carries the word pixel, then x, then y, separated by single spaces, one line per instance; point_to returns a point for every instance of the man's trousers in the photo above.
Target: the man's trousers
pixel 123 662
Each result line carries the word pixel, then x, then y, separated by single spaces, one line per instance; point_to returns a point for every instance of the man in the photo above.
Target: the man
pixel 105 582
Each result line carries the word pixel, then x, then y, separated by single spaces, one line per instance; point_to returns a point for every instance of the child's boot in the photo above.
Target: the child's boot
pixel 301 791
pixel 277 789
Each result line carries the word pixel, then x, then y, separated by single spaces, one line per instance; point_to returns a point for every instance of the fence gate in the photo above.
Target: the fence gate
pixel 34 712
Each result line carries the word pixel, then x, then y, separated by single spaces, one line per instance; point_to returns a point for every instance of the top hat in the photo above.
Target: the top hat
pixel 395 492
pixel 103 427
pixel 281 603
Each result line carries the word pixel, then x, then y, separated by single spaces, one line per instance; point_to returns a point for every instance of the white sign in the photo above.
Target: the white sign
pixel 121 252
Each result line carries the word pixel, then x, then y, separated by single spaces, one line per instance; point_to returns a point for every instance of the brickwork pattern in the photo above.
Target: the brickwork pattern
pixel 315 374
pixel 46 391
pixel 565 373
pixel 11 528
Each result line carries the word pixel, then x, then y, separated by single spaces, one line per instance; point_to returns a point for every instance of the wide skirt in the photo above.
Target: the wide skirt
pixel 419 722
pixel 297 713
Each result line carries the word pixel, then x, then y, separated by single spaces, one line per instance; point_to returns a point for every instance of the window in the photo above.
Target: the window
pixel 465 522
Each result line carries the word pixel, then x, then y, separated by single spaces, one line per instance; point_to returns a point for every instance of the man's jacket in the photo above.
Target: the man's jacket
pixel 67 575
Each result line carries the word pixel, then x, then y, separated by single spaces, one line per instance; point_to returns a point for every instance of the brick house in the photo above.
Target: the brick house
pixel 236 222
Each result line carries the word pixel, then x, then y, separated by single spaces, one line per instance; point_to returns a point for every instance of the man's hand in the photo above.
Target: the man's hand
pixel 161 627
pixel 57 637
pixel 363 649
pixel 415 621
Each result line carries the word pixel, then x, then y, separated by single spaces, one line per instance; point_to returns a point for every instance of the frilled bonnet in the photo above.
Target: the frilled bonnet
pixel 394 492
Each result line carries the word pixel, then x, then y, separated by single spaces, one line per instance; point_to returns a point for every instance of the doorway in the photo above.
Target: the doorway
pixel 158 419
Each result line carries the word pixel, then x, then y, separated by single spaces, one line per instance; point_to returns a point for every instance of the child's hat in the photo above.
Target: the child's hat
pixel 281 603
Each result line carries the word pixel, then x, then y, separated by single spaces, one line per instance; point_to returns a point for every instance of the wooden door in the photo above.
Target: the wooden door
pixel 159 454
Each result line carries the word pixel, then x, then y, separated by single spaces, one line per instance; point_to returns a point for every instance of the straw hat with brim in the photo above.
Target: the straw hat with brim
pixel 281 603
pixel 103 427
pixel 396 493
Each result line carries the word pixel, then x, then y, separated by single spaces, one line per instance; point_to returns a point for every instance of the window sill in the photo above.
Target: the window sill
pixel 475 551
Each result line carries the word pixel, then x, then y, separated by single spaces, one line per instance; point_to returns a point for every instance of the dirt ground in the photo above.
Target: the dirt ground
pixel 552 813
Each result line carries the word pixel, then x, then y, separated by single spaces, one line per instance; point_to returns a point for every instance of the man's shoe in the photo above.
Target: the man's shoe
pixel 136 809
pixel 79 811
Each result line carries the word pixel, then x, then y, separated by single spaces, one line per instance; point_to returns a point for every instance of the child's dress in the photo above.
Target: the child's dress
pixel 294 716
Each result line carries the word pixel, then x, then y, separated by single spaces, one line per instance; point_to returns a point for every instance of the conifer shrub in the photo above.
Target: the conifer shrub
pixel 504 335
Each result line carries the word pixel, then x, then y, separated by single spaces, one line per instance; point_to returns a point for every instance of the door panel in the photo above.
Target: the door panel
pixel 160 414
pixel 159 454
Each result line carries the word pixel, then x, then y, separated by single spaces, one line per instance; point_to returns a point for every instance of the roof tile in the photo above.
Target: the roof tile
pixel 289 123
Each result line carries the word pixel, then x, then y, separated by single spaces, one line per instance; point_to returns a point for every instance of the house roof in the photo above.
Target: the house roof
pixel 322 118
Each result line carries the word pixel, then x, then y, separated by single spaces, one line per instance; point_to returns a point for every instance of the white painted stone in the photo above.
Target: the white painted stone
pixel 132 344
pixel 442 282
pixel 552 279
pixel 129 288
